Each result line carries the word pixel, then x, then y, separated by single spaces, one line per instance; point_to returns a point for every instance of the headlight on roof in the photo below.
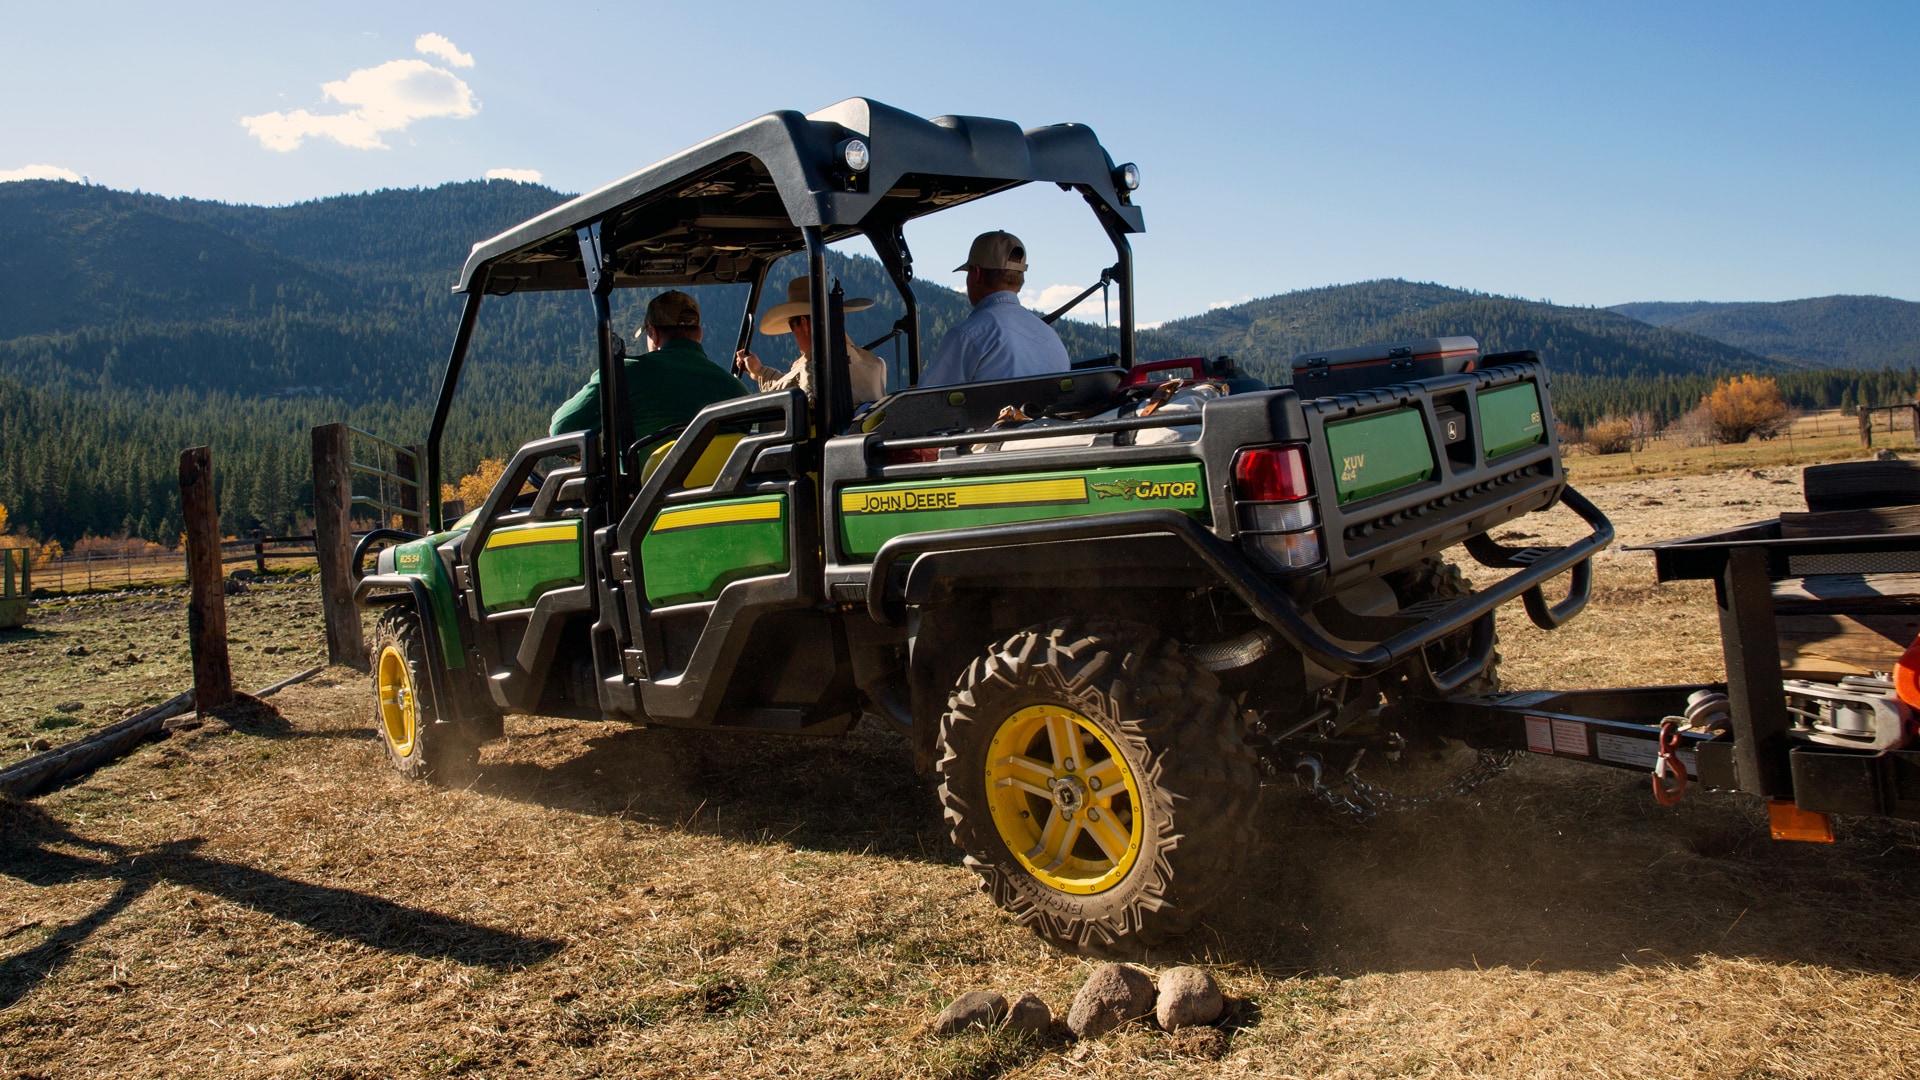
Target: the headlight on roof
pixel 854 154
pixel 1127 177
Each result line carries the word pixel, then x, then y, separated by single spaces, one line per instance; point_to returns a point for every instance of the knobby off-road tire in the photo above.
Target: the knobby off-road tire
pixel 404 709
pixel 1097 782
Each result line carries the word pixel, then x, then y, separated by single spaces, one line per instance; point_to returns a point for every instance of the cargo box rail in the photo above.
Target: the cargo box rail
pixel 1271 605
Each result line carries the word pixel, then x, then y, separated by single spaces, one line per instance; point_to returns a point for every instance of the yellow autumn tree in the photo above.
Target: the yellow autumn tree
pixel 473 488
pixel 1745 406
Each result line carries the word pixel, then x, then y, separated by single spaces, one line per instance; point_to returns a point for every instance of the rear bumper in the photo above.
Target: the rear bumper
pixel 1533 568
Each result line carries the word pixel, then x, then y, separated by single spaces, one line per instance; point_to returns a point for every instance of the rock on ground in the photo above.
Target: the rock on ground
pixel 1188 997
pixel 1114 994
pixel 975 1008
pixel 1028 1013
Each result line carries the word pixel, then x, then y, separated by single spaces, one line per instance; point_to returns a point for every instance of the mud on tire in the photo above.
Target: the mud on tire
pixel 1147 720
pixel 405 712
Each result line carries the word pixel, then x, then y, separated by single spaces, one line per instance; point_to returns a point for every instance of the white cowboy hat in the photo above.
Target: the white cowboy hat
pixel 799 302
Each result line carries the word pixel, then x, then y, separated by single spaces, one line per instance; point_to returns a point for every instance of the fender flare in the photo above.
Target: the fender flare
pixel 445 705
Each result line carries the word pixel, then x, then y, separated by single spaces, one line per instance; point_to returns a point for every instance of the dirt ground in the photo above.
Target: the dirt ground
pixel 264 898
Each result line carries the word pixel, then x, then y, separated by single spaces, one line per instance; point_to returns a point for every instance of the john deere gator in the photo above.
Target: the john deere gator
pixel 1101 605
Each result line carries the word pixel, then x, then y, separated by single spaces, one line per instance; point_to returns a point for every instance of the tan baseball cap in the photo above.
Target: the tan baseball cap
pixel 996 251
pixel 673 310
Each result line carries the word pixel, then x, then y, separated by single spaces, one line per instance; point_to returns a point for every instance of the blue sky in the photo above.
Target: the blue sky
pixel 1588 154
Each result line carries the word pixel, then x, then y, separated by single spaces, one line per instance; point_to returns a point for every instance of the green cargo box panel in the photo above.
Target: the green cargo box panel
pixel 692 552
pixel 520 562
pixel 1374 455
pixel 1510 419
pixel 872 515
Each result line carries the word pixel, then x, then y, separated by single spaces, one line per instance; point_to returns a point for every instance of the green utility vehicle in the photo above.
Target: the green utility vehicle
pixel 1102 605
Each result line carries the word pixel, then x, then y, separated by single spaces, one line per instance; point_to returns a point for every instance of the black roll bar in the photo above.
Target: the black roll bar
pixel 449 382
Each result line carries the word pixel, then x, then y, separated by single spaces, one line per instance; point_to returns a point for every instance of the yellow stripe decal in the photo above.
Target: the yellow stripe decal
pixel 965 496
pixel 545 534
pixel 716 515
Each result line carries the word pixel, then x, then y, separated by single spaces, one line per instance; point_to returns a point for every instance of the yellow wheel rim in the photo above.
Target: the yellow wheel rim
pixel 1063 799
pixel 399 711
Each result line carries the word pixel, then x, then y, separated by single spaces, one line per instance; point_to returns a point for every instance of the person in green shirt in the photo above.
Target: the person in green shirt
pixel 666 385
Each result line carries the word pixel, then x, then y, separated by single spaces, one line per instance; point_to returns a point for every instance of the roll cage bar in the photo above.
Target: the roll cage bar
pixel 724 211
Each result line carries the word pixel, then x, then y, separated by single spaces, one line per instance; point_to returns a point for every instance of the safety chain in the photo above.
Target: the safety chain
pixel 1363 802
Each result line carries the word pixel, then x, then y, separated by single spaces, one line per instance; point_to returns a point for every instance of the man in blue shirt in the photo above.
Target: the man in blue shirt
pixel 1001 339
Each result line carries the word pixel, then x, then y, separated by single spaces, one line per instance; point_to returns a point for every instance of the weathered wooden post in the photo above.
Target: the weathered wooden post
pixel 206 577
pixel 1866 426
pixel 333 543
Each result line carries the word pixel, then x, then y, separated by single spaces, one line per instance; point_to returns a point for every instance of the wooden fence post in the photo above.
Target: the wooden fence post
pixel 333 544
pixel 1866 426
pixel 207 603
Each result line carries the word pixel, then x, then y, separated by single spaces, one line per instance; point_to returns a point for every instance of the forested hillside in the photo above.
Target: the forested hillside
pixel 1826 331
pixel 1266 334
pixel 136 325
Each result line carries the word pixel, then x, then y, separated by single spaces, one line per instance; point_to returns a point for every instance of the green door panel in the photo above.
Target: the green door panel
pixel 520 562
pixel 871 515
pixel 1377 454
pixel 692 552
pixel 1510 419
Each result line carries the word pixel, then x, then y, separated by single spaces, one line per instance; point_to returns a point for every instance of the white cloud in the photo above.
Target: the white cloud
pixel 1044 300
pixel 38 172
pixel 378 99
pixel 525 176
pixel 1217 304
pixel 438 45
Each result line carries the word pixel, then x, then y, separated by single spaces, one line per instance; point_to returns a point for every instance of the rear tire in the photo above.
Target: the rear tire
pixel 405 712
pixel 1097 781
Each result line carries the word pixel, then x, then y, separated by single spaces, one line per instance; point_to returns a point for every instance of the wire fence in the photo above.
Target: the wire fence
pixel 90 570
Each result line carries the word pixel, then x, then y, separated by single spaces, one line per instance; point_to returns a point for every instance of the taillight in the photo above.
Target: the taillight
pixel 1279 526
pixel 1271 474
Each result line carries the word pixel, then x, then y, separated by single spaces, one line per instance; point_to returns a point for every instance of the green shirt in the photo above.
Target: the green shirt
pixel 664 387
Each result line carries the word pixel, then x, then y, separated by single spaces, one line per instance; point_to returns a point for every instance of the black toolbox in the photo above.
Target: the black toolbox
pixel 1343 371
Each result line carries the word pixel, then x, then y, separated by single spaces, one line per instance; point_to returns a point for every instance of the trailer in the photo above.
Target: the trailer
pixel 1818 618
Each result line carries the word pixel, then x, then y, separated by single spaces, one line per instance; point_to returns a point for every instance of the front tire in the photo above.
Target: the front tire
pixel 1097 781
pixel 405 711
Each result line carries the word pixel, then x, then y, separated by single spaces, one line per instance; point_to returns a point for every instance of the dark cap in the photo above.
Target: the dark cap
pixel 673 310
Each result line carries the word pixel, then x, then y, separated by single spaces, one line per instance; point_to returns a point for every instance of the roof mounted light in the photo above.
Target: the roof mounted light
pixel 854 154
pixel 1127 177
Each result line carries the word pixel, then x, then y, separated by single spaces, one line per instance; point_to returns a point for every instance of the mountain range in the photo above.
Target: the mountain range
pixel 134 324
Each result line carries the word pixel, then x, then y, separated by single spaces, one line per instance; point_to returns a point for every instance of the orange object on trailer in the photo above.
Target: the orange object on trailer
pixel 1906 675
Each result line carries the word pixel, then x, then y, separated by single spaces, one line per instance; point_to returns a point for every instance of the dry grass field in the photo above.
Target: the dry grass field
pixel 262 897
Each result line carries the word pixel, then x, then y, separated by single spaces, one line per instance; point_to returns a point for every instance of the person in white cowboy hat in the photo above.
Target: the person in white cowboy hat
pixel 869 372
pixel 1001 339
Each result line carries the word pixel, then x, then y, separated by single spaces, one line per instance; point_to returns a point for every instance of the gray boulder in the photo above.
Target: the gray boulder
pixel 1028 1013
pixel 975 1008
pixel 1114 994
pixel 1188 997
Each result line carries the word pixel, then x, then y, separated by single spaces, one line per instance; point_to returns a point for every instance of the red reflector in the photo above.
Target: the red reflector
pixel 912 456
pixel 1271 474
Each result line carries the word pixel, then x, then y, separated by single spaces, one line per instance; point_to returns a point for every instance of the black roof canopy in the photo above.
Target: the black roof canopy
pixel 711 213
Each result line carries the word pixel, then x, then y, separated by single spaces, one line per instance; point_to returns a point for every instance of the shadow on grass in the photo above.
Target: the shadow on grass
pixel 857 792
pixel 26 833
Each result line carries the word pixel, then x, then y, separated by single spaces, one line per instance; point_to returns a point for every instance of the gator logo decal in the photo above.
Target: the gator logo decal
pixel 1350 467
pixel 407 560
pixel 1147 489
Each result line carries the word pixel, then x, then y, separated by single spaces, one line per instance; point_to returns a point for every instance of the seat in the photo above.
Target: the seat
pixel 975 406
pixel 712 459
